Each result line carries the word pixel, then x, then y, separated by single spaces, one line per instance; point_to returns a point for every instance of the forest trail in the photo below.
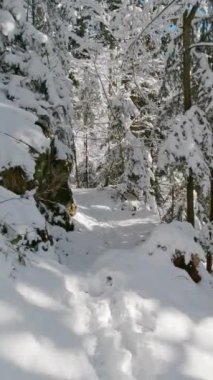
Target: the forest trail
pixel 102 223
pixel 118 309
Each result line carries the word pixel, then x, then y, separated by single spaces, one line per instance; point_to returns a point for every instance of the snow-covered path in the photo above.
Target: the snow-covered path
pixel 103 223
pixel 124 313
pixel 121 226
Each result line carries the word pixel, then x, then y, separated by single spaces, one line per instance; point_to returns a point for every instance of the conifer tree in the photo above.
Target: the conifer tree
pixel 188 143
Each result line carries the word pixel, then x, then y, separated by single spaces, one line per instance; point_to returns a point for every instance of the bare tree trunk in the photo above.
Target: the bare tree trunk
pixel 173 201
pixel 211 198
pixel 76 163
pixel 187 21
pixel 190 198
pixel 209 256
pixel 186 61
pixel 86 125
pixel 33 12
pixel 209 262
pixel 86 160
pixel 28 8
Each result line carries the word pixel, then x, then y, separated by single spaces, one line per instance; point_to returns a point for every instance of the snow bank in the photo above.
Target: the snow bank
pixel 19 215
pixel 179 236
pixel 18 131
pixel 125 314
pixel 151 317
pixel 132 317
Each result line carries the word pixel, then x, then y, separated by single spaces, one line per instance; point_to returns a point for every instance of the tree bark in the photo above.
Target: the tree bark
pixel 33 12
pixel 76 163
pixel 86 161
pixel 187 21
pixel 190 198
pixel 209 256
pixel 209 262
pixel 211 198
pixel 186 62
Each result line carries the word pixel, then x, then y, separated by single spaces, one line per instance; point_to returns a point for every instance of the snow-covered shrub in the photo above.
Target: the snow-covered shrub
pixel 32 168
pixel 180 242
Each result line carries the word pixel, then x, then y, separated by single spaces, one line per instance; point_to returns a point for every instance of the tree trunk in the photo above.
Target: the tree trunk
pixel 173 199
pixel 209 262
pixel 76 164
pixel 186 62
pixel 187 20
pixel 209 256
pixel 28 8
pixel 190 198
pixel 211 198
pixel 33 12
pixel 86 161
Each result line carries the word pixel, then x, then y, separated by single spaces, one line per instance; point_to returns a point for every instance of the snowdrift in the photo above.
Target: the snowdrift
pixel 132 316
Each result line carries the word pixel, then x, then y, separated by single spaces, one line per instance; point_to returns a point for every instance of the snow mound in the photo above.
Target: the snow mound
pixel 18 133
pixel 19 215
pixel 179 236
pixel 132 317
pixel 152 316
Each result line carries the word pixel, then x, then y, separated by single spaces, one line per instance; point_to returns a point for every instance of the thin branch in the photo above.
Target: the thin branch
pixel 104 90
pixel 149 24
pixel 20 141
pixel 149 102
pixel 12 199
pixel 132 47
pixel 209 44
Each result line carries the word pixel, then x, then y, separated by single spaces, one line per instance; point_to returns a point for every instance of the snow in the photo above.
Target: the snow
pixel 179 236
pixel 23 97
pixel 103 302
pixel 26 216
pixel 18 132
pixel 189 142
pixel 7 23
pixel 101 223
pixel 125 312
pixel 63 151
pixel 36 69
pixel 35 34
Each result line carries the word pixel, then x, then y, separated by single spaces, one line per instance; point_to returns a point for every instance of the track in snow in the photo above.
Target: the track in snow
pixel 103 223
pixel 124 313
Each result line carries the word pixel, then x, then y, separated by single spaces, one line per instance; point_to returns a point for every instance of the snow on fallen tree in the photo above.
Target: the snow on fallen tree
pixel 180 241
pixel 175 244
